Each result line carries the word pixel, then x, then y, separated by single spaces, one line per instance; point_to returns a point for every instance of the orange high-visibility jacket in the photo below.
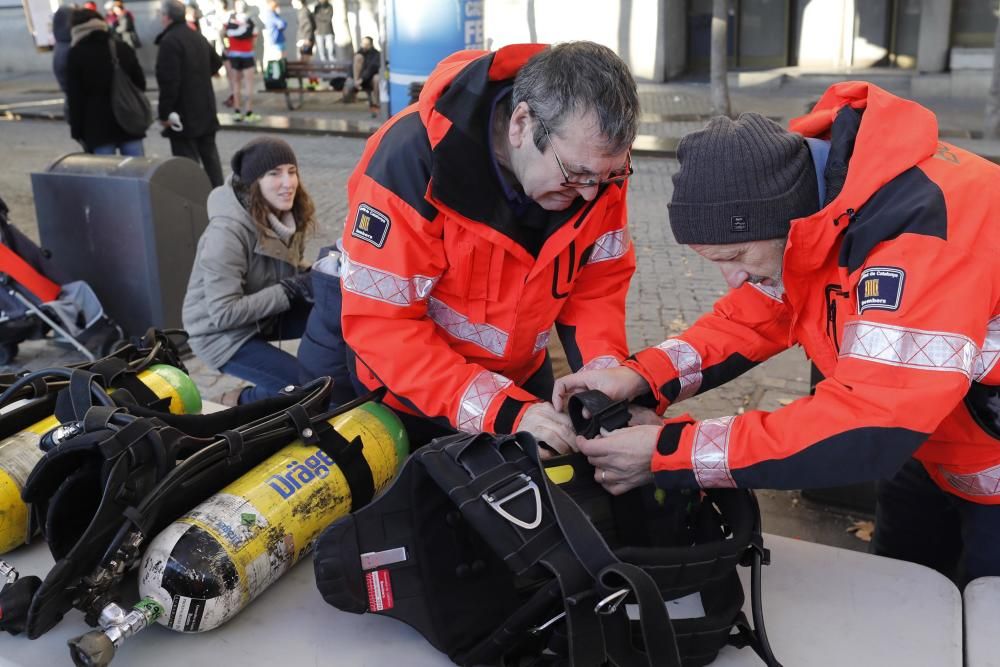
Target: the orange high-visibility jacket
pixel 892 289
pixel 448 297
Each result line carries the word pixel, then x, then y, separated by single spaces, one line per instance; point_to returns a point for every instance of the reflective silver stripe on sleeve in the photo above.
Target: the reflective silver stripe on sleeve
pixel 598 363
pixel 541 341
pixel 990 352
pixel 982 483
pixel 773 292
pixel 482 391
pixel 687 361
pixel 909 348
pixel 710 453
pixel 610 246
pixel 488 337
pixel 382 285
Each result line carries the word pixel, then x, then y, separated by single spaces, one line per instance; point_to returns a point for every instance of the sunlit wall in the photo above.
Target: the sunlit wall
pixel 635 29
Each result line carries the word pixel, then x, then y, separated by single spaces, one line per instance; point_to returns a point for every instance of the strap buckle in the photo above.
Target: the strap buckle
pixel 547 624
pixel 498 503
pixel 8 572
pixel 609 605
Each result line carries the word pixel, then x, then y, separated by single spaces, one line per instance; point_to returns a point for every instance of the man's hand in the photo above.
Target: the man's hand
pixel 550 426
pixel 618 383
pixel 621 458
pixel 642 416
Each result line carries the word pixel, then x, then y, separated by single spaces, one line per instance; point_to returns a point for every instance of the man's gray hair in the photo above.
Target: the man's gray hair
pixel 578 77
pixel 173 9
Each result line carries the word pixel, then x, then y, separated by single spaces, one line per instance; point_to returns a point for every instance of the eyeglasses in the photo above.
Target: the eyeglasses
pixel 617 176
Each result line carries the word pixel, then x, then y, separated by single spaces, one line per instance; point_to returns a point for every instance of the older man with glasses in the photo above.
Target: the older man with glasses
pixel 480 217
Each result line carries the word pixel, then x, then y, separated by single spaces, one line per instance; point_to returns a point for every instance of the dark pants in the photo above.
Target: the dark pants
pixel 270 369
pixel 201 150
pixel 916 521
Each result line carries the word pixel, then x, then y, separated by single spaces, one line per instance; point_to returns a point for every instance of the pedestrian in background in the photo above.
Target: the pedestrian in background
pixel 240 32
pixel 323 14
pixel 248 285
pixel 367 62
pixel 274 32
pixel 305 36
pixel 88 78
pixel 185 64
pixel 122 24
pixel 61 31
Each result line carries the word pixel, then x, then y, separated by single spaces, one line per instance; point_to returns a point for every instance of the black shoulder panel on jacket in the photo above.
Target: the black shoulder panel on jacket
pixel 402 163
pixel 911 203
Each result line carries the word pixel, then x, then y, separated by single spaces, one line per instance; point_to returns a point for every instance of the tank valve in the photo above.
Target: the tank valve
pixel 97 647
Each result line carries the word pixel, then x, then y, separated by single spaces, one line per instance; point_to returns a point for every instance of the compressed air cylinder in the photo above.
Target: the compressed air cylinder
pixel 19 453
pixel 206 566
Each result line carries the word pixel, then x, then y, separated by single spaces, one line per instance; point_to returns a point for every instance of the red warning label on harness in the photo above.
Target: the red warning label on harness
pixel 379 590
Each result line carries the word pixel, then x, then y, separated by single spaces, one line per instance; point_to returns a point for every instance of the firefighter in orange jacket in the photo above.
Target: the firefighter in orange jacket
pixel 478 217
pixel 873 245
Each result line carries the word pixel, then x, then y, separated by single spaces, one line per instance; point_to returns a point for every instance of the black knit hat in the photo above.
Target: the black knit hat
pixel 742 180
pixel 260 156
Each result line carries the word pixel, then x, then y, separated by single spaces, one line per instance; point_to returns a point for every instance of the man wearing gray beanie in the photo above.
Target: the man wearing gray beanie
pixel 862 237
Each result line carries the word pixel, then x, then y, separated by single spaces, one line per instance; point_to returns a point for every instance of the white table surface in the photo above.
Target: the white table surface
pixel 822 606
pixel 982 622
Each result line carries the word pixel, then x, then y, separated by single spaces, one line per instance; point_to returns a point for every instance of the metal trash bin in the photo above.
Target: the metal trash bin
pixel 128 226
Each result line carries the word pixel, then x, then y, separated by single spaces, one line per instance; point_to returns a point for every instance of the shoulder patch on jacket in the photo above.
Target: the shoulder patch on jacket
pixel 371 225
pixel 880 288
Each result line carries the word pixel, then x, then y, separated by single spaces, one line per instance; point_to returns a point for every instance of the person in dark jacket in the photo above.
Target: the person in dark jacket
pixel 305 37
pixel 88 78
pixel 367 62
pixel 61 31
pixel 185 64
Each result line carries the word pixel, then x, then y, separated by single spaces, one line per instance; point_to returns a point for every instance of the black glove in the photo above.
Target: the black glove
pixel 298 287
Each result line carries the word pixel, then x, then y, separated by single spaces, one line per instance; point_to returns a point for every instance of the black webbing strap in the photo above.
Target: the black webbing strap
pixel 602 412
pixel 658 640
pixel 593 553
pixel 234 440
pixel 124 439
pixel 85 391
pixel 349 457
pixel 502 461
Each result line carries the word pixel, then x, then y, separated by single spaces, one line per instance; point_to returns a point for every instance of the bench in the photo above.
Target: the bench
pixel 303 71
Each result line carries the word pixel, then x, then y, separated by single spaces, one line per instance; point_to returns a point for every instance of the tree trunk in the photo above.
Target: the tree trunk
pixel 343 40
pixel 718 64
pixel 992 126
pixel 368 21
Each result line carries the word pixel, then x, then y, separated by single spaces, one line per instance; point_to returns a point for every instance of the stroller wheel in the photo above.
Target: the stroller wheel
pixel 7 353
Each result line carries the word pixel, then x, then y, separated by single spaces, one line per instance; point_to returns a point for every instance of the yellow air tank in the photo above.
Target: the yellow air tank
pixel 206 566
pixel 19 453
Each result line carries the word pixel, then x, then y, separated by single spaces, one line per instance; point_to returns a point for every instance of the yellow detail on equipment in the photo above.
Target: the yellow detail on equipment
pixel 206 566
pixel 19 453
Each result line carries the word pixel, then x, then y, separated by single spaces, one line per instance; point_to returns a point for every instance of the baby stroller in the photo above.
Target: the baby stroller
pixel 34 300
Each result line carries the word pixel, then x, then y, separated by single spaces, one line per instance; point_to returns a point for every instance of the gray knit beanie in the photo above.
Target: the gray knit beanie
pixel 260 156
pixel 742 180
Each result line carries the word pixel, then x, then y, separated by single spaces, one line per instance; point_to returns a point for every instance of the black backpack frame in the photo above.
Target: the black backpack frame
pixel 495 564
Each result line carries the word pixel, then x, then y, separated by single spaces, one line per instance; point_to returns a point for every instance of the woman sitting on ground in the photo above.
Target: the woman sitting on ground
pixel 248 285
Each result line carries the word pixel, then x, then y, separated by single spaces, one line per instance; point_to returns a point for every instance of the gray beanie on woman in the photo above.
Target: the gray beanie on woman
pixel 742 180
pixel 260 156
